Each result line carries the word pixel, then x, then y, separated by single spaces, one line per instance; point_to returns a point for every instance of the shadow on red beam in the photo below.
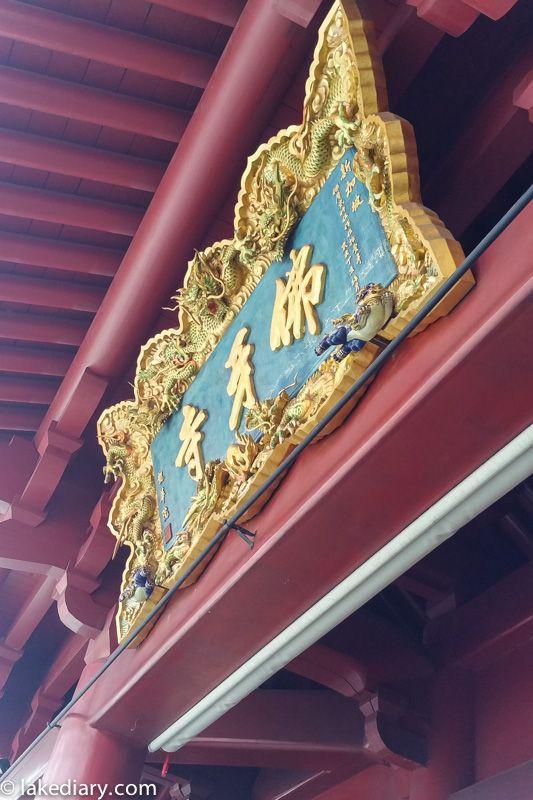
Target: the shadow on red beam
pixel 328 667
pixel 88 104
pixel 16 418
pixel 42 328
pixel 21 289
pixel 57 446
pixel 488 627
pixel 109 44
pixel 387 657
pixel 34 360
pixel 455 18
pixel 66 158
pixel 295 785
pixel 68 209
pixel 225 12
pixel 31 613
pixel 43 252
pixel 498 140
pixel 26 390
pixel 406 44
pixel 29 544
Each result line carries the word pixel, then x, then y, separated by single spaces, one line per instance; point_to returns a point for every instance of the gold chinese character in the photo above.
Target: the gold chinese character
pixel 160 476
pixel 162 494
pixel 190 453
pixel 295 300
pixel 345 168
pixel 165 513
pixel 356 202
pixel 240 385
pixel 350 187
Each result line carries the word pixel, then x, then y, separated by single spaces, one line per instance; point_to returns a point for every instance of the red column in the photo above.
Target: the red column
pixel 85 755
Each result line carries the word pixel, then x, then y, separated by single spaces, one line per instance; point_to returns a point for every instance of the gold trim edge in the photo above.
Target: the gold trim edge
pixel 345 106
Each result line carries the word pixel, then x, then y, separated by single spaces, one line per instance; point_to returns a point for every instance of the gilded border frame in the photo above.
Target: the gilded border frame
pixel 345 105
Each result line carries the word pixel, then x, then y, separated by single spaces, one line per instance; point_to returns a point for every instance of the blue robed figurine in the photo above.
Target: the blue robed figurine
pixel 139 588
pixel 375 309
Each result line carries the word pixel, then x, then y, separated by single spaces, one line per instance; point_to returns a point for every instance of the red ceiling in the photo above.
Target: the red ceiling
pixel 46 308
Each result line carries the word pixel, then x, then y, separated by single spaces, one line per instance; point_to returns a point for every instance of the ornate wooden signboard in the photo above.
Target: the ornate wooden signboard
pixel 331 247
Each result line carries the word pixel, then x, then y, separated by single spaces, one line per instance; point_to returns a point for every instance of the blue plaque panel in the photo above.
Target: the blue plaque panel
pixel 348 238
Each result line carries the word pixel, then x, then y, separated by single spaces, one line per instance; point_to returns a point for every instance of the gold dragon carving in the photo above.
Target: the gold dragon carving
pixel 345 107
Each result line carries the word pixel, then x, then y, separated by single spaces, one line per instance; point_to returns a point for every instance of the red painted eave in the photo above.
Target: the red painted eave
pixel 422 427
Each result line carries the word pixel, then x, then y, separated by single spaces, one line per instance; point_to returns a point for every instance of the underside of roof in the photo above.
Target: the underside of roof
pixel 95 98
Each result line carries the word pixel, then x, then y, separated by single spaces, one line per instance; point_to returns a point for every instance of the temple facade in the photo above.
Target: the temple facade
pixel 266 392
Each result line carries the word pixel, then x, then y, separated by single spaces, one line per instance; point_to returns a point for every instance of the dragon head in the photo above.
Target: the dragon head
pixel 203 293
pixel 116 441
pixel 115 466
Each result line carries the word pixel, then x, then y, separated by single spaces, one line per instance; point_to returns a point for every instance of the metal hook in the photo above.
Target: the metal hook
pixel 246 535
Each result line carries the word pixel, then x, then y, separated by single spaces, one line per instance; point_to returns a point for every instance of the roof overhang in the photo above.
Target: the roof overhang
pixel 497 476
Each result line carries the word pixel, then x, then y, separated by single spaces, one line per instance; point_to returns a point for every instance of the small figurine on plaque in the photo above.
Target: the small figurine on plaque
pixel 375 309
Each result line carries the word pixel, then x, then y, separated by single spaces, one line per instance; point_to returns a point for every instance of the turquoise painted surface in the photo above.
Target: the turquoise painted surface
pixel 322 227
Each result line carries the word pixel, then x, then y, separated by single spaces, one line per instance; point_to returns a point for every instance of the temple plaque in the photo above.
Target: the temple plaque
pixel 332 254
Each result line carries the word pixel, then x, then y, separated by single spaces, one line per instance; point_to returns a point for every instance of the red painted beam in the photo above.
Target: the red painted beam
pixel 20 419
pixel 29 390
pixel 293 784
pixel 99 545
pixel 68 209
pixel 284 730
pixel 45 547
pixel 523 94
pixel 456 16
pixel 266 47
pixel 406 43
pixel 51 294
pixel 518 532
pixel 17 457
pixel 513 784
pixel 387 657
pixel 67 667
pixel 301 12
pixel 57 254
pixel 65 158
pixel 30 614
pixel 61 676
pixel 41 328
pixel 54 454
pixel 87 39
pixel 483 630
pixel 78 610
pixel 331 668
pixel 225 12
pixel 88 104
pixel 402 428
pixel 33 361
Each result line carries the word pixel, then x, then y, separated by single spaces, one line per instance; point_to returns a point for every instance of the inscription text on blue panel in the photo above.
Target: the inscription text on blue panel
pixel 346 237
